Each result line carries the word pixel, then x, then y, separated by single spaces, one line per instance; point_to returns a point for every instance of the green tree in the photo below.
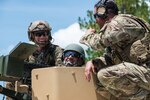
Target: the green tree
pixel 88 22
pixel 93 54
pixel 136 7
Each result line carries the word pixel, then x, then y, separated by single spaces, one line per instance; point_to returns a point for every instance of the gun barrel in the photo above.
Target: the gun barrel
pixel 14 95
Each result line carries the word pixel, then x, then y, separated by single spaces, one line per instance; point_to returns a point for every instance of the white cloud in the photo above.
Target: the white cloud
pixel 62 37
pixel 71 34
pixel 6 51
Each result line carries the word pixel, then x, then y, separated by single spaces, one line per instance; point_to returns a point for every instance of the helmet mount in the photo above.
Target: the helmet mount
pixel 36 26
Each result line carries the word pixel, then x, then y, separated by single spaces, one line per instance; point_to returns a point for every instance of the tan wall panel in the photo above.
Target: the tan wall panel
pixel 67 83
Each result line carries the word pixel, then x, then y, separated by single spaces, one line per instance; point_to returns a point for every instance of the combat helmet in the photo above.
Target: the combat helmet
pixel 76 48
pixel 38 26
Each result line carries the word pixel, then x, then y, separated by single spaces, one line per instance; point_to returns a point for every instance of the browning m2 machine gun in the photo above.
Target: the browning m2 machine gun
pixel 13 68
pixel 50 83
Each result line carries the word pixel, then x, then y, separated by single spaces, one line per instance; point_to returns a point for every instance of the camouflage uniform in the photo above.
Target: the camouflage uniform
pixel 51 56
pixel 128 76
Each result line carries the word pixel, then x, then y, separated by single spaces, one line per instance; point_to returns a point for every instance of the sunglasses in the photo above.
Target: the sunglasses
pixel 39 34
pixel 71 53
pixel 96 15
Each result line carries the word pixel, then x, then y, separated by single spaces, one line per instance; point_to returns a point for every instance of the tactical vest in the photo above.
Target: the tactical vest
pixel 46 57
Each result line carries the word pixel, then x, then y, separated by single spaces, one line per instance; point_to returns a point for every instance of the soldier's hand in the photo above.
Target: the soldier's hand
pixel 89 69
pixel 91 30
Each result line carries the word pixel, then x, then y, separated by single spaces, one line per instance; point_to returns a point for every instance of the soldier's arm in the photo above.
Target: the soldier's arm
pixel 92 39
pixel 58 56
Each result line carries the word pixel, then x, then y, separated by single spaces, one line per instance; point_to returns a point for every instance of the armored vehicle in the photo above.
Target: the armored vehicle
pixel 45 83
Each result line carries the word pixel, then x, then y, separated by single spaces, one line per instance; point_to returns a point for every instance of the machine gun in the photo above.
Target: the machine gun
pixel 28 67
pixel 13 68
pixel 14 95
pixel 25 79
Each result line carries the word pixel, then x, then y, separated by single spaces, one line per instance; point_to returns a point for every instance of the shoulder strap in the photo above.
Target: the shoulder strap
pixel 140 21
pixel 144 24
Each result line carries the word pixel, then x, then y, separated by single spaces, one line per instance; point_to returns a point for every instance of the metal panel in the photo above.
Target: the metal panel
pixel 62 83
pixel 1 64
pixel 11 66
pixel 22 50
pixel 11 69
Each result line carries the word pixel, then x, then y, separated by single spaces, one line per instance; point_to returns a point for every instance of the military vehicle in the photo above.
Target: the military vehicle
pixel 46 83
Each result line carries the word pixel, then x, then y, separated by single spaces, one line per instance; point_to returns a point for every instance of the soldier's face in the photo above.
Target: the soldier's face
pixel 100 21
pixel 41 38
pixel 71 58
pixel 70 61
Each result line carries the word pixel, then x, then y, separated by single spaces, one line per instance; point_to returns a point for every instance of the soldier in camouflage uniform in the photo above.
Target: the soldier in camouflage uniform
pixel 73 55
pixel 47 53
pixel 123 70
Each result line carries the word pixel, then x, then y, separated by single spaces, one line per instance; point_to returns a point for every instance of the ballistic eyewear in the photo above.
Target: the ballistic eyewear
pixel 39 34
pixel 71 53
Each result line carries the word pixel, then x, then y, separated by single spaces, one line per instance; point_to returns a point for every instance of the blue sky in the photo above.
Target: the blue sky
pixel 62 15
pixel 16 16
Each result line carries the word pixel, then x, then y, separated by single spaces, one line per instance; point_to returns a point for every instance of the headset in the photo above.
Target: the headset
pixel 103 6
pixel 101 9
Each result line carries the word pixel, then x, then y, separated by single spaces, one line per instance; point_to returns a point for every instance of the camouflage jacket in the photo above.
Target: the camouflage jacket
pixel 50 56
pixel 127 35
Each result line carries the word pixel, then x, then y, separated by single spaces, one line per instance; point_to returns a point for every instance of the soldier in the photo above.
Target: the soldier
pixel 47 53
pixel 124 69
pixel 73 55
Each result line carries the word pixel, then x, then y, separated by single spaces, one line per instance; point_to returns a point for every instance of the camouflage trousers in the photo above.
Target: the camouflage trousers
pixel 126 81
pixel 106 95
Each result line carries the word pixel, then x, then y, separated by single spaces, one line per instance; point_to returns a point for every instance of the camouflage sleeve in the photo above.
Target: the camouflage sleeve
pixel 58 56
pixel 119 30
pixel 122 29
pixel 92 40
pixel 139 52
